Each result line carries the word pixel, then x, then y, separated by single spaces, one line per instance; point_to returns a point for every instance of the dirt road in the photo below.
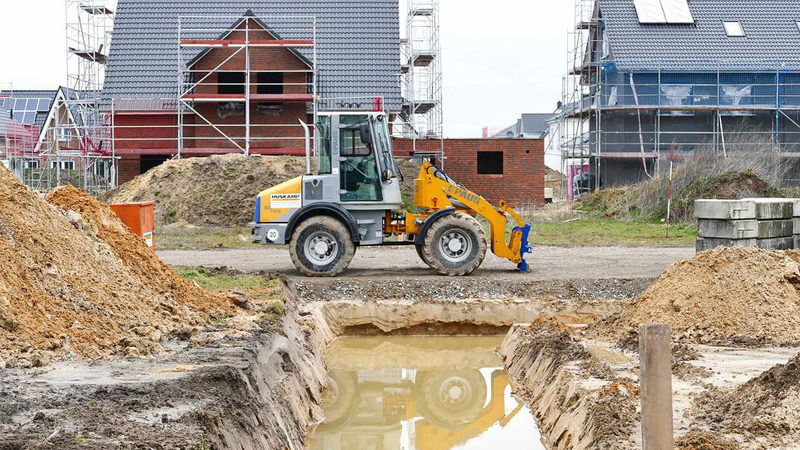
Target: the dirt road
pixel 549 263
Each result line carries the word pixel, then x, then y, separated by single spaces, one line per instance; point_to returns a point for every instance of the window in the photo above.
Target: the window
pixel 324 128
pixel 269 82
pixel 490 163
pixel 734 29
pixel 65 165
pixel 359 180
pixel 230 83
pixel 63 134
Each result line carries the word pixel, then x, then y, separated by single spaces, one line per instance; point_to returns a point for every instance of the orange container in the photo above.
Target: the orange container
pixel 139 217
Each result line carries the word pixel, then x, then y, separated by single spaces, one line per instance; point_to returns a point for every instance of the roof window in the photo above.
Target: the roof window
pixel 733 28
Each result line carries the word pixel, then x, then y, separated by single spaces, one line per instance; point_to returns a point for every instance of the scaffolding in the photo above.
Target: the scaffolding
pixel 619 126
pixel 234 81
pixel 422 79
pixel 66 139
pixel 573 129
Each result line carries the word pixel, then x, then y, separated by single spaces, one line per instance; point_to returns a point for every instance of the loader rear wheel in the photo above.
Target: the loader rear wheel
pixel 455 245
pixel 321 246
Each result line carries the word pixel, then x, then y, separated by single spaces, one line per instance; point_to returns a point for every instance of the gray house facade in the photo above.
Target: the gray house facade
pixel 666 79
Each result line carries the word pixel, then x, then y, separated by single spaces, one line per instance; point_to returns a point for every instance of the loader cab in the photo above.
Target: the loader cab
pixel 356 148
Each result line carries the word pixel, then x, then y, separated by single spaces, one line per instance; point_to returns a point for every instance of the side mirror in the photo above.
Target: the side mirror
pixel 363 132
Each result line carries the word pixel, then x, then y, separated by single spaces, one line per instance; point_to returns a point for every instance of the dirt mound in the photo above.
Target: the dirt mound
pixel 765 406
pixel 83 284
pixel 215 190
pixel 555 180
pixel 740 296
pixel 648 200
pixel 703 440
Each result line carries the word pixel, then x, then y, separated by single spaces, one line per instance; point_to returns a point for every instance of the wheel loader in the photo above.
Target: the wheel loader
pixel 354 200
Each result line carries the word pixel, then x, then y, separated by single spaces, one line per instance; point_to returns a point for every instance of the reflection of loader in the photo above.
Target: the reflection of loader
pixel 367 407
pixel 434 437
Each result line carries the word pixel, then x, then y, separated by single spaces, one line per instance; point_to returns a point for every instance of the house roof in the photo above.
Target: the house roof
pixel 25 111
pixel 772 37
pixel 534 124
pixel 358 43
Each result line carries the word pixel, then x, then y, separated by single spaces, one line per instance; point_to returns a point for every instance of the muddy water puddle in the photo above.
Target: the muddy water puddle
pixel 421 392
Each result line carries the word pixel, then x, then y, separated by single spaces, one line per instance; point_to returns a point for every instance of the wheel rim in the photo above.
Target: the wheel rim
pixel 454 392
pixel 321 248
pixel 455 245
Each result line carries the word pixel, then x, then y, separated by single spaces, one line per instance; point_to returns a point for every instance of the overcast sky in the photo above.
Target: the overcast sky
pixel 500 58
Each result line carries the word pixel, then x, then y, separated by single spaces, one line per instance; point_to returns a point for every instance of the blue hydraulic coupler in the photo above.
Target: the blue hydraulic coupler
pixel 524 248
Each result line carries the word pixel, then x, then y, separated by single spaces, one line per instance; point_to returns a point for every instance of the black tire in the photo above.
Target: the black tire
pixel 454 398
pixel 336 247
pixel 422 254
pixel 339 401
pixel 468 251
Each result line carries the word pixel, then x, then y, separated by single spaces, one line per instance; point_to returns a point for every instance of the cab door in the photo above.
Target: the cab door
pixel 359 175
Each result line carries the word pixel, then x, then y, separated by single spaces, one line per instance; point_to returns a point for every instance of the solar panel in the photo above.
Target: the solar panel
pixel 25 109
pixel 650 11
pixel 677 11
pixel 663 11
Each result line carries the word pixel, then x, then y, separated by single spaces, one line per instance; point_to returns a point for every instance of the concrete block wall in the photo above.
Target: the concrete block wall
pixel 750 222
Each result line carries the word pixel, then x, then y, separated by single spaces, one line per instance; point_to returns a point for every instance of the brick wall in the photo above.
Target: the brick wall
pixel 128 167
pixel 141 132
pixel 522 181
pixel 278 128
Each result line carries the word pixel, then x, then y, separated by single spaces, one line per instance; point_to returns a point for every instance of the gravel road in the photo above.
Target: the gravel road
pixel 549 263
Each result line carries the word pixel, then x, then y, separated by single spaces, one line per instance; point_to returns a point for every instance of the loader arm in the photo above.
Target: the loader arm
pixel 435 191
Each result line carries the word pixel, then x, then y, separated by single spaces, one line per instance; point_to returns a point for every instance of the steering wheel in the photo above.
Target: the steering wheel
pixel 355 167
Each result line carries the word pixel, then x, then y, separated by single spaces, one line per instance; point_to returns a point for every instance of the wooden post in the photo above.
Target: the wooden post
pixel 655 380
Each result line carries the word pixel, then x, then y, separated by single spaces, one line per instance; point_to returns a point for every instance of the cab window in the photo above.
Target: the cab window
pixel 324 129
pixel 359 178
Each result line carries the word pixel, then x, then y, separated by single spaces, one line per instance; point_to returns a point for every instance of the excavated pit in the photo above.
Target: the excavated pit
pixel 264 391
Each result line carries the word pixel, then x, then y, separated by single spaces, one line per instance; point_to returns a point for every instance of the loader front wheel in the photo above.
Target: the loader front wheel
pixel 455 245
pixel 321 246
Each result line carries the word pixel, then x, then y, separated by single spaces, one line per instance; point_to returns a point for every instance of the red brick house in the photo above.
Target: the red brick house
pixel 240 76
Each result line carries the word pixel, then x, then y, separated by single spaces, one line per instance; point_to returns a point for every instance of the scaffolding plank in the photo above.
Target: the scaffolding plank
pixel 277 98
pixel 96 9
pixel 302 98
pixel 89 55
pixel 236 43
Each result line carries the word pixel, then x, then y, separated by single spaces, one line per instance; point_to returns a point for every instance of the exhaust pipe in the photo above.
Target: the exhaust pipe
pixel 308 146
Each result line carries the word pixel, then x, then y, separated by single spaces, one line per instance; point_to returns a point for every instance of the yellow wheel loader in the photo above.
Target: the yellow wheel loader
pixel 354 200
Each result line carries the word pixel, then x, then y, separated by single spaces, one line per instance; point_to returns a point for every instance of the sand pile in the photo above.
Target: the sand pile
pixel 83 284
pixel 216 190
pixel 745 296
pixel 765 406
pixel 555 180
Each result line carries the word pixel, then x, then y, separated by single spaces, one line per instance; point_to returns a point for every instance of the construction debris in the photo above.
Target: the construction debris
pixel 76 281
pixel 764 407
pixel 215 190
pixel 722 296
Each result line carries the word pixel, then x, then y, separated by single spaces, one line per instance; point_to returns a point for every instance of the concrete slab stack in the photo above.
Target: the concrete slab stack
pixel 751 222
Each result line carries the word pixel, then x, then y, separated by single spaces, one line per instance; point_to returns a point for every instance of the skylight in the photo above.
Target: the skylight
pixel 733 28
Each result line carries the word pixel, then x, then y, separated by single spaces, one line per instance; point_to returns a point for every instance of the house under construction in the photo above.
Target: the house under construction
pixel 52 138
pixel 650 80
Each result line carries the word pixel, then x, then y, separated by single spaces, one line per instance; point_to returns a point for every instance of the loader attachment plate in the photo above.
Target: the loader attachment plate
pixel 524 248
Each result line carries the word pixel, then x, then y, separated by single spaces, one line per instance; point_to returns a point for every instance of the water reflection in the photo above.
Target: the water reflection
pixel 420 393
